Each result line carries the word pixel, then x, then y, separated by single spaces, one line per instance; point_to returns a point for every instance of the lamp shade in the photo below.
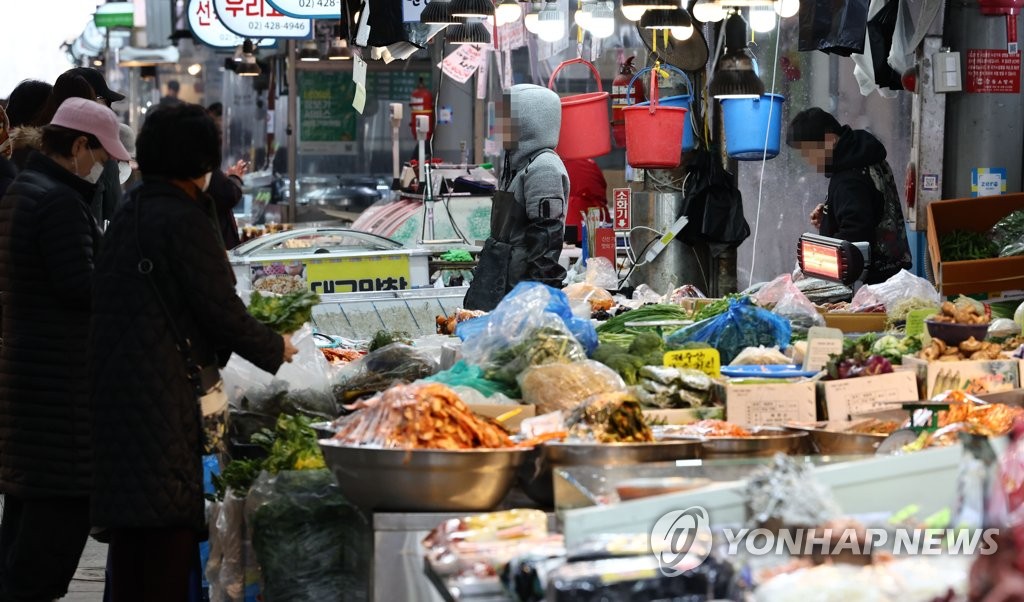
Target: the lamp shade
pixel 470 32
pixel 665 19
pixel 248 67
pixel 734 76
pixel 309 51
pixel 472 8
pixel 438 12
pixel 339 50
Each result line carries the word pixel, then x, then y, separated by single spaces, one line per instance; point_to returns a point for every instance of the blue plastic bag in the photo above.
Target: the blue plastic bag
pixel 523 309
pixel 742 325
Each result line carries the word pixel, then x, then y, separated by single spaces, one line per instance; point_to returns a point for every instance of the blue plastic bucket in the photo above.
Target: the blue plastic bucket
pixel 749 122
pixel 682 100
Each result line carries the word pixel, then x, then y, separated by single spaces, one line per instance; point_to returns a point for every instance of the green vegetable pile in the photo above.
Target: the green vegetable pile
pixel 286 313
pixel 646 349
pixel 612 330
pixel 964 245
pixel 1008 234
pixel 894 348
pixel 716 307
pixel 291 445
pixel 383 338
pixel 544 345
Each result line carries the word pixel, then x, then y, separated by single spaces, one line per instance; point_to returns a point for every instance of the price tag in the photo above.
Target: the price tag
pixel 916 318
pixel 708 361
pixel 821 343
pixel 770 404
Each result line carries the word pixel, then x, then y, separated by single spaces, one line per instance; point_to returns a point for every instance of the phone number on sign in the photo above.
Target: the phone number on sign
pixel 272 26
pixel 318 3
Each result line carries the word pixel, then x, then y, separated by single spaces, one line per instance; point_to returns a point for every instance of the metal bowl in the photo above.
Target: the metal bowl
pixel 422 480
pixel 535 476
pixel 324 430
pixel 766 441
pixel 953 334
pixel 833 443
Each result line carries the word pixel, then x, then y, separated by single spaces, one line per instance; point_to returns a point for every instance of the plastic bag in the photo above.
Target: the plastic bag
pixel 601 272
pixel 524 309
pixel 742 325
pixel 687 291
pixel 564 386
pixel 307 374
pixel 596 298
pixel 232 571
pixel 786 300
pixel 834 27
pixel 902 291
pixel 467 375
pixel 532 325
pixel 645 294
pixel 312 545
pixel 1008 231
pixel 392 364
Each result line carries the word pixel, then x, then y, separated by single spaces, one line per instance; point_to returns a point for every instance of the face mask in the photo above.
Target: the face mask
pixel 206 180
pixel 124 171
pixel 97 170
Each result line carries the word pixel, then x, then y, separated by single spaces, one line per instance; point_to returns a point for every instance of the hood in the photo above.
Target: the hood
pixel 537 115
pixel 856 149
pixel 27 137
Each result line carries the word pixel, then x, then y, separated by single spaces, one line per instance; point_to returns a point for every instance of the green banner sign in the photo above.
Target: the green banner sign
pixel 115 19
pixel 326 117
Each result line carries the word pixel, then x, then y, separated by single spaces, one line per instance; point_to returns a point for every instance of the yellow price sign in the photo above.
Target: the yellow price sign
pixel 708 361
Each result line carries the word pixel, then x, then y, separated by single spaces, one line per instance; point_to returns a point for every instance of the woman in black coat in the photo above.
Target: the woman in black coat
pixel 162 275
pixel 47 243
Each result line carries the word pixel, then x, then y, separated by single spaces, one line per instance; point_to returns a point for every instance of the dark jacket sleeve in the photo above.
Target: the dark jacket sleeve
pixel 853 210
pixel 66 243
pixel 226 192
pixel 545 209
pixel 206 274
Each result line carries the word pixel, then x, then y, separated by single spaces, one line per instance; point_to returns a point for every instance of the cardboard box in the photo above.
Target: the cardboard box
pixel 770 404
pixel 493 410
pixel 852 396
pixel 856 322
pixel 977 377
pixel 988 276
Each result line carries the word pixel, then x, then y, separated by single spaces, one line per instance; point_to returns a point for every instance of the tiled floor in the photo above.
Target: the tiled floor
pixel 87 585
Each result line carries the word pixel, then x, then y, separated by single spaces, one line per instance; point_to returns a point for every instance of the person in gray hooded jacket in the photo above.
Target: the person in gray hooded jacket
pixel 528 209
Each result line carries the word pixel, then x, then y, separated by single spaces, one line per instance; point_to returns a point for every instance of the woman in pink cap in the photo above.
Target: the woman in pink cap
pixel 48 238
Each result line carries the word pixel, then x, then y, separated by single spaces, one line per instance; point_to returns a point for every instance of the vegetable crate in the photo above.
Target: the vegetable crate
pixel 980 275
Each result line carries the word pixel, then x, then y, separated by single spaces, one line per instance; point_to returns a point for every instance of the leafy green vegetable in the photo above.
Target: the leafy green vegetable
pixel 964 245
pixel 292 445
pixel 647 313
pixel 383 338
pixel 716 307
pixel 646 343
pixel 238 476
pixel 286 313
pixel 544 345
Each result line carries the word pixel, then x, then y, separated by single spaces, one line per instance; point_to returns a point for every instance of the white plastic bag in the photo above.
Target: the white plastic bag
pixel 901 287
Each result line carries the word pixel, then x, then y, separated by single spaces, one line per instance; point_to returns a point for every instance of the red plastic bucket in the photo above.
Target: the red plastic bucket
pixel 654 133
pixel 585 133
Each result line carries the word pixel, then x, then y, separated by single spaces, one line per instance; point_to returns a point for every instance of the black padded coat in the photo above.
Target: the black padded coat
pixel 146 426
pixel 48 240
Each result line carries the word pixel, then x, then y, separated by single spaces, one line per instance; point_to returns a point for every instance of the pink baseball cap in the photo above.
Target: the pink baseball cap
pixel 93 118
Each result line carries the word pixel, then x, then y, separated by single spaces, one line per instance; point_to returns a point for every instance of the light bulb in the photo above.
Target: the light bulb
pixel 551 30
pixel 194 69
pixel 602 21
pixel 706 11
pixel 582 18
pixel 681 33
pixel 762 19
pixel 787 8
pixel 508 11
pixel 532 23
pixel 633 13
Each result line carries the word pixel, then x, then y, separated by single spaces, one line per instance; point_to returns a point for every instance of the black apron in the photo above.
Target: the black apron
pixel 503 258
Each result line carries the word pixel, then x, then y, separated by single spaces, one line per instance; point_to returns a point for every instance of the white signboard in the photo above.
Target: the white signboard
pixel 257 18
pixel 411 10
pixel 308 9
pixel 461 64
pixel 208 29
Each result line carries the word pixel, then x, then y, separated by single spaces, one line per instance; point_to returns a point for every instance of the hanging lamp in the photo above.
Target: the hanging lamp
pixel 734 76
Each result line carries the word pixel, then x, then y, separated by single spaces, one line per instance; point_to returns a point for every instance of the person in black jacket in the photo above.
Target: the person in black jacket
pixel 162 277
pixel 48 240
pixel 863 204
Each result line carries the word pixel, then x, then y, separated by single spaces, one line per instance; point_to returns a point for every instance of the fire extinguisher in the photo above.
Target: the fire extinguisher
pixel 619 84
pixel 1010 8
pixel 421 102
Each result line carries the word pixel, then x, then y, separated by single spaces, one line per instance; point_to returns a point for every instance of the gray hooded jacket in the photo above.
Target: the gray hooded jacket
pixel 526 236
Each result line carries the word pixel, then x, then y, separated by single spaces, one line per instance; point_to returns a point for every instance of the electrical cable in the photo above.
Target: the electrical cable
pixel 764 157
